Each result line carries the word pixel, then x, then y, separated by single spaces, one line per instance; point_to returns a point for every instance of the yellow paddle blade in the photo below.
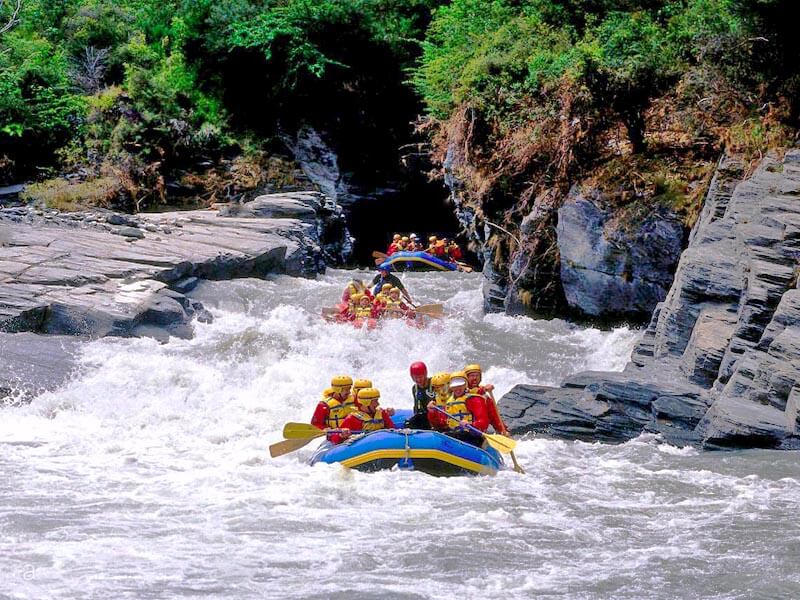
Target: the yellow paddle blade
pixel 501 443
pixel 287 446
pixel 301 431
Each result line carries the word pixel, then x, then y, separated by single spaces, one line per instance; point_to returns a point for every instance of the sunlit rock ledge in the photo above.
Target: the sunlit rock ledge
pixel 100 273
pixel 719 364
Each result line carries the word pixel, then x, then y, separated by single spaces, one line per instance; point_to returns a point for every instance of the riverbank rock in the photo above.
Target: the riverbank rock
pixel 719 364
pixel 99 273
pixel 616 266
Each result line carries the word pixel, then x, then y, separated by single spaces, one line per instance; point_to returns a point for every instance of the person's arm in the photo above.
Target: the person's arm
pixel 320 415
pixel 477 406
pixel 494 413
pixel 350 423
pixel 436 419
pixel 387 418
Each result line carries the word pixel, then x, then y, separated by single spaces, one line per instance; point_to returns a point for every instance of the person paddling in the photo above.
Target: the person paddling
pixel 332 409
pixel 383 277
pixel 367 417
pixel 464 409
pixel 423 393
pixel 474 376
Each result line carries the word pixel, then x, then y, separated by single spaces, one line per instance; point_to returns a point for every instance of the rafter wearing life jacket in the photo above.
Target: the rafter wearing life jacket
pixel 368 416
pixel 462 407
pixel 332 410
pixel 474 376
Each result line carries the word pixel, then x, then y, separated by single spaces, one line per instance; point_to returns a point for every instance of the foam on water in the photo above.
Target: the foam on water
pixel 148 476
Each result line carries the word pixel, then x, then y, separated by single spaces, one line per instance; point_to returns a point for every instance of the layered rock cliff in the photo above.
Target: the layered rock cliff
pixel 718 364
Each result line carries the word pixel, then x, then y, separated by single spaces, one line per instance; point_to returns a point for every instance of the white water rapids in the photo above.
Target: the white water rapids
pixel 148 475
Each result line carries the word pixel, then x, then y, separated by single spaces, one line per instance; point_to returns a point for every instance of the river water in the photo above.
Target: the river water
pixel 148 475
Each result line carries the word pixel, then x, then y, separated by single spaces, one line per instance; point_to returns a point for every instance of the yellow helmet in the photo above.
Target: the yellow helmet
pixel 360 384
pixel 404 238
pixel 369 393
pixel 472 369
pixel 341 381
pixel 386 287
pixel 440 379
pixel 432 238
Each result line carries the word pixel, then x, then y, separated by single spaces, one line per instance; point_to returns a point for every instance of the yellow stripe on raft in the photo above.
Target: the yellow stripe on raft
pixel 420 453
pixel 430 263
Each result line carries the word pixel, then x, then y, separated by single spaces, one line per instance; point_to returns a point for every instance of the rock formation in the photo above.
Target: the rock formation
pixel 718 364
pixel 102 273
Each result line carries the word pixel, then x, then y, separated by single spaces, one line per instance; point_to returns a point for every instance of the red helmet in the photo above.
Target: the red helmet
pixel 418 368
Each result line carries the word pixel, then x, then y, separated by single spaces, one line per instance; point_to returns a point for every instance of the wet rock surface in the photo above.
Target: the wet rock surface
pixel 100 273
pixel 616 266
pixel 718 364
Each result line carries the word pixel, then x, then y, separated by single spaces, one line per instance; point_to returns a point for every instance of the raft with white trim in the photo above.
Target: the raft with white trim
pixel 431 452
pixel 408 261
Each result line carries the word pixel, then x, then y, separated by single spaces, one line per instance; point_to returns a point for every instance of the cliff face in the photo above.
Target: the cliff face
pixel 718 364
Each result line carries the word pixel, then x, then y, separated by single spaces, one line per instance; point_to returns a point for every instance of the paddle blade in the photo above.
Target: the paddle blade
pixel 287 446
pixel 501 443
pixel 301 431
pixel 432 310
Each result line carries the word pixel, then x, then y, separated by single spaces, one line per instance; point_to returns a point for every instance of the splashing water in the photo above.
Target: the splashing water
pixel 148 476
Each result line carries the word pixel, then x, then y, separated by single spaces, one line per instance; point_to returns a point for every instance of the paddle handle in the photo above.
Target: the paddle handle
pixel 467 426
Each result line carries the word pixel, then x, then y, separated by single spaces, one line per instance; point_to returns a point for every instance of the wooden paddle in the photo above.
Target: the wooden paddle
pixel 517 466
pixel 287 446
pixel 501 443
pixel 435 311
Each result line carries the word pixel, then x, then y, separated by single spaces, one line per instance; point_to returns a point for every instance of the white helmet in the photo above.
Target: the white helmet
pixel 413 236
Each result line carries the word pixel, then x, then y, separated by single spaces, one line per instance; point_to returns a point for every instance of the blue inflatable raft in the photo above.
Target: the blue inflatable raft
pixel 407 261
pixel 410 449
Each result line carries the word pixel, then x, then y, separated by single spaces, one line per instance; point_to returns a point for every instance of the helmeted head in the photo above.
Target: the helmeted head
pixel 441 384
pixel 364 300
pixel 360 384
pixel 384 270
pixel 368 399
pixel 404 239
pixel 396 237
pixel 386 287
pixel 413 237
pixel 432 239
pixel 341 386
pixel 473 373
pixel 419 373
pixel 394 293
pixel 458 384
